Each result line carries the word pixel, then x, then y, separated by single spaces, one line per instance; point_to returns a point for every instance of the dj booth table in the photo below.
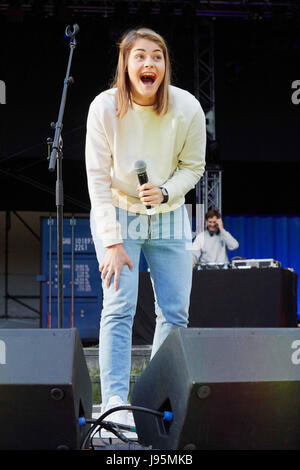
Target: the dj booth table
pixel 253 298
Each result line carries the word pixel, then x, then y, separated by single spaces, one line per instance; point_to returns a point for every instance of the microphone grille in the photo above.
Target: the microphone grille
pixel 140 166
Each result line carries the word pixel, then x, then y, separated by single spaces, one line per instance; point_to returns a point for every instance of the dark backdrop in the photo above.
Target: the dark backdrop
pixel 256 62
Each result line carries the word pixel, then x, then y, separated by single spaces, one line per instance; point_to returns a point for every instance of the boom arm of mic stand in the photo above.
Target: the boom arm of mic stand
pixel 56 146
pixel 68 80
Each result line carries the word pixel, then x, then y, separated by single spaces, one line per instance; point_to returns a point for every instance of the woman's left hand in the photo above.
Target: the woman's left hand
pixel 150 194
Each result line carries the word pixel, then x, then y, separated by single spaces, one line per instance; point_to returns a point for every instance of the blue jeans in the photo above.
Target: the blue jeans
pixel 166 243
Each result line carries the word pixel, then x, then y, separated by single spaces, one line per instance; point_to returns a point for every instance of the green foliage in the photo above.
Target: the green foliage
pixel 95 379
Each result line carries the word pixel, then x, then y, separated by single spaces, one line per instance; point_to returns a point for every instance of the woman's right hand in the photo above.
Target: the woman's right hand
pixel 114 260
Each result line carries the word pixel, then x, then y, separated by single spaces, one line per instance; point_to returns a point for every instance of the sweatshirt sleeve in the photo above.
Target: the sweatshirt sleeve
pixel 231 243
pixel 191 164
pixel 98 167
pixel 197 247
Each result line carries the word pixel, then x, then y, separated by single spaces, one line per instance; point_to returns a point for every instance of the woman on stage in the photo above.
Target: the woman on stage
pixel 142 117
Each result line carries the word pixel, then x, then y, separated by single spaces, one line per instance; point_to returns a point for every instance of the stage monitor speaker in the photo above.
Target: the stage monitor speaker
pixel 228 388
pixel 44 388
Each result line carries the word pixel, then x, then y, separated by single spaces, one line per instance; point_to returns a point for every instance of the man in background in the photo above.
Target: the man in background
pixel 211 245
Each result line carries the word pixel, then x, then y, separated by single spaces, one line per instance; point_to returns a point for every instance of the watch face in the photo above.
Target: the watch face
pixel 165 194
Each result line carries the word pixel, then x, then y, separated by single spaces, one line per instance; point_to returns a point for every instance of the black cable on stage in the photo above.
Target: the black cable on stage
pixel 165 415
pixel 113 428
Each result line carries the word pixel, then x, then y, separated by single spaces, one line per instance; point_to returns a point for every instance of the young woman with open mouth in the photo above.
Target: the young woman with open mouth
pixel 142 117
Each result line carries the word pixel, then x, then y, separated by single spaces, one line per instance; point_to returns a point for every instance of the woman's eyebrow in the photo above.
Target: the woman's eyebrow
pixel 144 50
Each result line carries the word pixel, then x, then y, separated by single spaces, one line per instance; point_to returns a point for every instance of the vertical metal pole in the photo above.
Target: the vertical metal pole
pixel 196 62
pixel 220 192
pixel 7 229
pixel 49 315
pixel 59 205
pixel 199 201
pixel 206 191
pixel 73 223
pixel 212 79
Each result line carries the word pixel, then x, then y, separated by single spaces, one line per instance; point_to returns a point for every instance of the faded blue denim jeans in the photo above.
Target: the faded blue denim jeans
pixel 165 240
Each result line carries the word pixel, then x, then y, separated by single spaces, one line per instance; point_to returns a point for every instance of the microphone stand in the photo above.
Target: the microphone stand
pixel 55 154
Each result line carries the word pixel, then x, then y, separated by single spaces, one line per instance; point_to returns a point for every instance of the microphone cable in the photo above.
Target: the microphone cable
pixel 165 415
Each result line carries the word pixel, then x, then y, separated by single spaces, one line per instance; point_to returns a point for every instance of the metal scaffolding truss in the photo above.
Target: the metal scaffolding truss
pixel 208 195
pixel 251 9
pixel 217 8
pixel 209 188
pixel 204 74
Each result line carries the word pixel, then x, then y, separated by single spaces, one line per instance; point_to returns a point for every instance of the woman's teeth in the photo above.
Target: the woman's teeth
pixel 148 79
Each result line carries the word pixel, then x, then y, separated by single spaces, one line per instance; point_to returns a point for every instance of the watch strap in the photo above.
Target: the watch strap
pixel 165 194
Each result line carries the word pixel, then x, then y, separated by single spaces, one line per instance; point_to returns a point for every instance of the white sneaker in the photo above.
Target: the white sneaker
pixel 130 419
pixel 119 417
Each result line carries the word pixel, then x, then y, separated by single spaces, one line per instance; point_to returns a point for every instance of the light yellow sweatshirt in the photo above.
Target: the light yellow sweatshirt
pixel 173 147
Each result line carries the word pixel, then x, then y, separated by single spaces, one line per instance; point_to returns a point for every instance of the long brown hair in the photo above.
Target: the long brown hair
pixel 121 80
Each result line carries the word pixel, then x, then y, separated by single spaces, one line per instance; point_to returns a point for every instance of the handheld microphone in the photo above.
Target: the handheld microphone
pixel 141 171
